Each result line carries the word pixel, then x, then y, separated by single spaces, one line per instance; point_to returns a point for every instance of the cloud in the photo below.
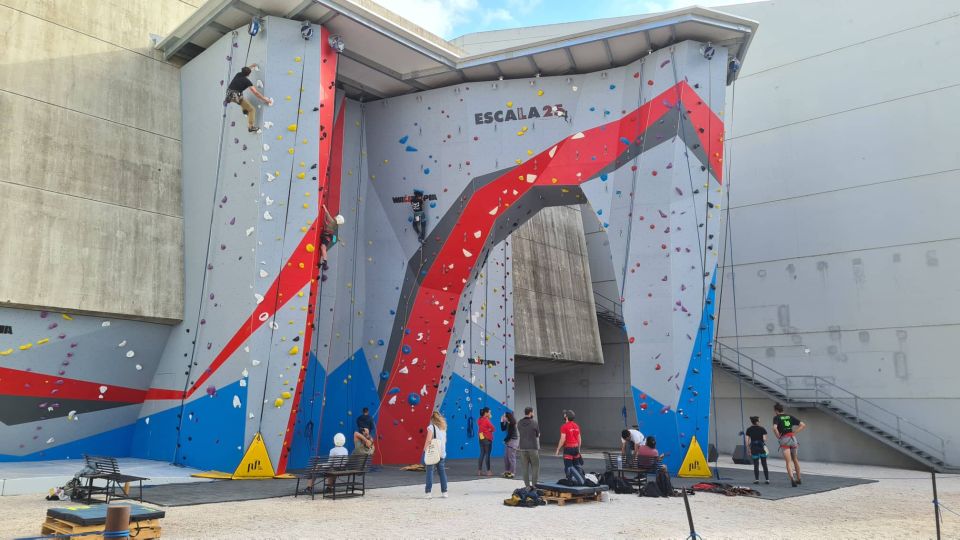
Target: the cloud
pixel 437 16
pixel 497 15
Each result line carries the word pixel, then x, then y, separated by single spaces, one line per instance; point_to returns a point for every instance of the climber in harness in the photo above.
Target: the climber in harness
pixel 235 90
pixel 328 236
pixel 419 218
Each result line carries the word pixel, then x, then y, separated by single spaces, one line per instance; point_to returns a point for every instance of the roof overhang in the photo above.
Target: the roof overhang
pixel 387 55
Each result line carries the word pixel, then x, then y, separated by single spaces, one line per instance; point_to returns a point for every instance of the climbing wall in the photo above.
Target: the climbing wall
pixel 235 365
pixel 72 384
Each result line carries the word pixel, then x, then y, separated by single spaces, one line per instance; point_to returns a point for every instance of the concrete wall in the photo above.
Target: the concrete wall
pixel 826 439
pixel 553 301
pixel 90 158
pixel 842 162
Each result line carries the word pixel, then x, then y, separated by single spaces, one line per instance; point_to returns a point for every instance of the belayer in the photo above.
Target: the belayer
pixel 235 90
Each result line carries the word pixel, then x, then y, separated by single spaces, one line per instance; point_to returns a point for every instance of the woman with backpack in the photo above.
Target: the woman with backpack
pixel 510 443
pixel 436 444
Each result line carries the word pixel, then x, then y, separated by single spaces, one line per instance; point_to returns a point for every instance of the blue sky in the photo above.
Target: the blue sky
pixel 452 18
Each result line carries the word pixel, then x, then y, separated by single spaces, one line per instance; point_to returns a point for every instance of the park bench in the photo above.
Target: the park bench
pixel 635 470
pixel 107 469
pixel 343 476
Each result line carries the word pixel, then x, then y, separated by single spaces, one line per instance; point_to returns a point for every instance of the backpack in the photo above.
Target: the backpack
pixel 651 489
pixel 617 484
pixel 663 483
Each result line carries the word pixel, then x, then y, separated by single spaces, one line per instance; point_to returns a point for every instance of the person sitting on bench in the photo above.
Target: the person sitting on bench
pixel 648 450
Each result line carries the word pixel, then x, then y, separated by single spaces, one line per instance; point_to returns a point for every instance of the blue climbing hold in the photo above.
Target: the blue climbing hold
pixel 600 212
pixel 384 375
pixel 411 149
pixel 413 398
pixel 613 86
pixel 393 390
pixel 380 342
pixel 393 312
pixel 403 140
pixel 406 349
pixel 603 177
pixel 426 170
pixel 406 331
pixel 433 205
pixel 625 141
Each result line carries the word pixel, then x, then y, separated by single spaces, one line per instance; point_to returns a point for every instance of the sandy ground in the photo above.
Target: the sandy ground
pixel 899 506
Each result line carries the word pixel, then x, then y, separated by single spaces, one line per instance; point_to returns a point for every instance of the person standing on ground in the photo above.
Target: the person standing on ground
pixel 756 439
pixel 486 440
pixel 529 445
pixel 570 442
pixel 511 442
pixel 363 443
pixel 786 428
pixel 365 421
pixel 630 439
pixel 235 91
pixel 437 429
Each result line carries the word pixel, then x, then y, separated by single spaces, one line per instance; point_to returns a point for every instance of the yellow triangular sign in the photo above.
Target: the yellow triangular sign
pixel 256 462
pixel 694 464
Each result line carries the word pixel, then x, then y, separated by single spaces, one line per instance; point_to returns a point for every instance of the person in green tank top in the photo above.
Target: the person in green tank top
pixel 785 429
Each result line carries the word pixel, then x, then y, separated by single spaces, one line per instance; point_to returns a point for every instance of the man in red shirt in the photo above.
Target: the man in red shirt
pixel 570 442
pixel 486 440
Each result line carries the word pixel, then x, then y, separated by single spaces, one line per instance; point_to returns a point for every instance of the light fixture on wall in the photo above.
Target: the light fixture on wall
pixel 306 30
pixel 707 50
pixel 254 27
pixel 336 43
pixel 734 64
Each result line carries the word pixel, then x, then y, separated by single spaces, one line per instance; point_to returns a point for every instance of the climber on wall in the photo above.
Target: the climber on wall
pixel 328 236
pixel 235 91
pixel 419 218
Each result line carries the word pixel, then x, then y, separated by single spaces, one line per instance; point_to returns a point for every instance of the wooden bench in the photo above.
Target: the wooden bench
pixel 637 467
pixel 107 469
pixel 338 475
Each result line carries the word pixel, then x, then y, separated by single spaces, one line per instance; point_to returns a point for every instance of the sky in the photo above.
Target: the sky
pixel 452 18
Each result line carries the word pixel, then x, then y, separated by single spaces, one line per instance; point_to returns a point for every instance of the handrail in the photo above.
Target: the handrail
pixel 821 394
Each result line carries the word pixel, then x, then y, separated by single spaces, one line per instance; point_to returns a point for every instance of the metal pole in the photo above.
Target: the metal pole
pixel 118 521
pixel 693 531
pixel 936 502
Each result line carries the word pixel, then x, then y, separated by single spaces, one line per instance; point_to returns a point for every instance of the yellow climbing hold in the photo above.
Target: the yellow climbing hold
pixel 509 104
pixel 288 98
pixel 291 151
pixel 297 59
pixel 289 72
pixel 301 175
pixel 286 395
pixel 520 133
pixel 7 352
pixel 278 403
pixel 294 350
pixel 43 341
pixel 553 180
pixel 539 92
pixel 303 229
pixel 310 248
pixel 292 127
pixel 26 346
pixel 529 152
pixel 305 205
pixel 279 137
pixel 67 317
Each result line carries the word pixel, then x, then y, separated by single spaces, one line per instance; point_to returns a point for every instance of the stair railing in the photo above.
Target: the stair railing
pixel 814 389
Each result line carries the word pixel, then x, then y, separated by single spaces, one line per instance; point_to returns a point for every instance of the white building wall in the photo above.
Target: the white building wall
pixel 844 178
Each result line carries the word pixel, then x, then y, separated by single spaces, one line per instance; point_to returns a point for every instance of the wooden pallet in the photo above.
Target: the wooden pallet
pixel 561 498
pixel 149 529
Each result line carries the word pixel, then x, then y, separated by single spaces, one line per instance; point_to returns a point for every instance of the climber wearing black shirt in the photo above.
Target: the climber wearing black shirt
pixel 419 219
pixel 785 429
pixel 235 91
pixel 757 443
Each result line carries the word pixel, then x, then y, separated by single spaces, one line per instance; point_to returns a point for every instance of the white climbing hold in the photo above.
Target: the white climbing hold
pixel 255 363
pixel 263 273
pixel 419 336
pixel 131 354
pixel 268 125
pixel 270 177
pixel 122 343
pixel 264 158
pixel 578 135
pixel 243 383
pixel 266 147
pixel 264 316
pixel 494 211
pixel 269 201
pixel 259 297
pixel 250 416
pixel 146 420
pixel 103 389
pixel 393 400
pixel 139 367
pixel 414 361
pixel 245 373
pixel 259 83
pixel 552 151
pixel 467 253
pixel 267 216
pixel 404 370
pixel 105 324
pixel 72 415
pixel 531 178
pixel 50 440
pixel 236 402
pixel 274 325
pixel 250 231
pixel 423 390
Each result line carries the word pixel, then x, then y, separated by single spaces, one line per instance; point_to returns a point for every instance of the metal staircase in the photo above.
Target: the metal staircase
pixel 862 414
pixel 608 310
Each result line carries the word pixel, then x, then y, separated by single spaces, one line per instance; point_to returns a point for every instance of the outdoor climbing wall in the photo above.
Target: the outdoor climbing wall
pixel 234 367
pixel 641 144
pixel 72 384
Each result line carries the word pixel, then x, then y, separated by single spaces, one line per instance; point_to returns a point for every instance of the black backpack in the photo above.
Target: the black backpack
pixel 661 487
pixel 617 484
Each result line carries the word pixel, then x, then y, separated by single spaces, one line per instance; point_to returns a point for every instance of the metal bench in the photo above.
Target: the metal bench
pixel 343 476
pixel 107 469
pixel 637 467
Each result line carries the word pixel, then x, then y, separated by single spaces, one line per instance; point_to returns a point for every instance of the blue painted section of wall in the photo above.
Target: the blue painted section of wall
pixel 303 444
pixel 115 442
pixel 674 427
pixel 204 448
pixel 461 407
pixel 349 390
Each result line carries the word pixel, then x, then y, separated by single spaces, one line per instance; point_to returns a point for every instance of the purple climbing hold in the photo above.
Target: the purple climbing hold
pixel 211 390
pixel 233 221
pixel 665 62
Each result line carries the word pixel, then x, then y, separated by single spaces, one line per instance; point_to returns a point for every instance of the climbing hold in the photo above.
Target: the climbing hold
pixel 310 248
pixel 130 354
pixel 285 395
pixel 297 59
pixel 413 398
pixel 539 92
pixel 277 403
pixel 292 127
pixel 294 350
pixel 211 390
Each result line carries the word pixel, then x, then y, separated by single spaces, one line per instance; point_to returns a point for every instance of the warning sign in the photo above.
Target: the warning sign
pixel 694 464
pixel 256 462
